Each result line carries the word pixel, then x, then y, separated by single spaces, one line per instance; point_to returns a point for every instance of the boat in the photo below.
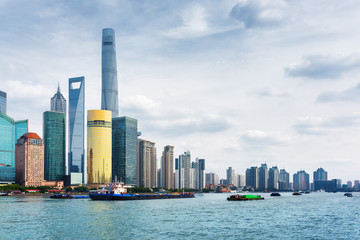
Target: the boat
pixel 297 193
pixel 3 194
pixel 118 191
pixel 244 197
pixel 348 194
pixel 307 192
pixel 275 194
pixel 62 196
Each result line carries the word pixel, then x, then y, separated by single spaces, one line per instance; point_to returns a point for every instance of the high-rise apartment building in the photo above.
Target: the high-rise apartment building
pixel 30 160
pixel 284 180
pixel 109 94
pixel 58 102
pixel 211 179
pixel 182 170
pixel 273 182
pixel 241 180
pixel 252 177
pixel 10 131
pixel 124 143
pixel 76 130
pixel 2 102
pixel 99 147
pixel 263 174
pixel 167 168
pixel 201 174
pixel 320 174
pixel 301 181
pixel 230 176
pixel 54 145
pixel 146 164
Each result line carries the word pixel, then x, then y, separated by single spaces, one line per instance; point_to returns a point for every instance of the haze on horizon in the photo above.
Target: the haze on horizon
pixel 238 83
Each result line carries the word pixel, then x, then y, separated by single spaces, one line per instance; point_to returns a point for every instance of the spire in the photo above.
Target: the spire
pixel 58 90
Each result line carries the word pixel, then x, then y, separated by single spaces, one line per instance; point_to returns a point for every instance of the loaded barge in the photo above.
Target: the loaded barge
pixel 117 191
pixel 244 197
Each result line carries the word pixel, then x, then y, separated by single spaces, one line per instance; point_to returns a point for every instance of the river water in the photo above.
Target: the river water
pixel 208 216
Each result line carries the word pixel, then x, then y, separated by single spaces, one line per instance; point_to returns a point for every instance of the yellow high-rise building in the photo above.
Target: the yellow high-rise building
pixel 99 147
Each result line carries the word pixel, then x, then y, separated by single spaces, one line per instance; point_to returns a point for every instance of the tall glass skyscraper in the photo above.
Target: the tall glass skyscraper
pixel 99 147
pixel 76 129
pixel 109 93
pixel 124 138
pixel 10 131
pixel 54 145
pixel 2 102
pixel 58 102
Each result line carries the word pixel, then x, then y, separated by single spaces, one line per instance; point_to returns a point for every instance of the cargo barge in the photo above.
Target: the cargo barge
pixel 117 191
pixel 244 197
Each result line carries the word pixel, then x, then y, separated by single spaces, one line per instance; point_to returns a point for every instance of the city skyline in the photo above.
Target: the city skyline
pixel 208 80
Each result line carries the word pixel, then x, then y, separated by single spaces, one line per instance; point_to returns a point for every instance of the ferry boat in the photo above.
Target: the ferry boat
pixel 244 197
pixel 118 191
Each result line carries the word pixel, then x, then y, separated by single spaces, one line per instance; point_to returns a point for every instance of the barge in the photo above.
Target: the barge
pixel 244 197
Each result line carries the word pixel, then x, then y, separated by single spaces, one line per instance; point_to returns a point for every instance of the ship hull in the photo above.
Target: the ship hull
pixel 125 197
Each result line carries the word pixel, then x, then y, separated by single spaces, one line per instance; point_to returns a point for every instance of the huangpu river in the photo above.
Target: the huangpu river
pixel 208 216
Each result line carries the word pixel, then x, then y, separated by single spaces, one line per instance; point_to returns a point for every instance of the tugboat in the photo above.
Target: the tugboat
pixel 244 197
pixel 348 194
pixel 275 194
pixel 118 191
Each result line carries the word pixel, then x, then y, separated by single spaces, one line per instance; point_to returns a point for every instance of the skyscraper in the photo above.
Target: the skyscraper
pixel 76 130
pixel 263 177
pixel 201 174
pixel 230 175
pixel 182 170
pixel 99 147
pixel 320 174
pixel 109 94
pixel 54 145
pixel 30 160
pixel 301 181
pixel 167 167
pixel 2 102
pixel 273 182
pixel 284 180
pixel 146 164
pixel 252 177
pixel 124 141
pixel 58 102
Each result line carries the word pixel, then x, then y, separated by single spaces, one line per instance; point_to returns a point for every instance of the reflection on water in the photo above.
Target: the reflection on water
pixel 208 216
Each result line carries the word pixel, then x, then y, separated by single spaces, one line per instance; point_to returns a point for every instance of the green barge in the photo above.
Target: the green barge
pixel 244 197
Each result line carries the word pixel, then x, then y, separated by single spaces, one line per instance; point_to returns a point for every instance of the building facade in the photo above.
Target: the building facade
pixel 167 167
pixel 146 164
pixel 252 177
pixel 99 147
pixel 263 174
pixel 58 102
pixel 320 174
pixel 76 153
pixel 284 180
pixel 273 182
pixel 301 181
pixel 54 132
pixel 3 102
pixel 109 93
pixel 124 144
pixel 30 160
pixel 201 174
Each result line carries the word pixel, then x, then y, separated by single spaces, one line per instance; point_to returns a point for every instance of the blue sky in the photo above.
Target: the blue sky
pixel 238 83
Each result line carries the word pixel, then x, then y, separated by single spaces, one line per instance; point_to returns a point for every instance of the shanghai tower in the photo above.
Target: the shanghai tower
pixel 109 93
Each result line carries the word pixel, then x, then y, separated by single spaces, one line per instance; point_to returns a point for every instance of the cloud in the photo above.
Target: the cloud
pixel 273 92
pixel 173 121
pixel 319 66
pixel 259 139
pixel 351 94
pixel 259 13
pixel 311 125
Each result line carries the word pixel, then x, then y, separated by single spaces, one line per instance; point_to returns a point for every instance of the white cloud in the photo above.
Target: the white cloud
pixel 351 94
pixel 260 139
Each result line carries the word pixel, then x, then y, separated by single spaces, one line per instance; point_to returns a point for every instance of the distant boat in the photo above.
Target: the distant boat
pixel 348 194
pixel 307 192
pixel 275 194
pixel 62 196
pixel 244 197
pixel 297 193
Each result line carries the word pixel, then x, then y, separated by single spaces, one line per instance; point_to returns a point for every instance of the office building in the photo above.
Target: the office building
pixel 201 174
pixel 30 160
pixel 230 176
pixel 263 174
pixel 167 168
pixel 252 177
pixel 10 131
pixel 301 181
pixel 54 145
pixel 99 147
pixel 76 130
pixel 273 181
pixel 284 180
pixel 58 102
pixel 124 142
pixel 182 170
pixel 146 164
pixel 109 93
pixel 3 102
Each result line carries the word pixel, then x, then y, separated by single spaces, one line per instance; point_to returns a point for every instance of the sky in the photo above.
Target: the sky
pixel 238 83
